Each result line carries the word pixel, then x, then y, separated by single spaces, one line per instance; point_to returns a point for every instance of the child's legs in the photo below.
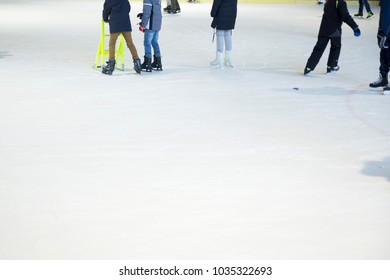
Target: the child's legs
pixel 111 45
pixel 360 6
pixel 228 40
pixel 367 5
pixel 148 36
pixel 220 40
pixel 318 50
pixel 130 44
pixel 155 45
pixel 335 49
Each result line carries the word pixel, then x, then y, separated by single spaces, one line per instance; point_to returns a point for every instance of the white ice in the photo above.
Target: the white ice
pixel 190 162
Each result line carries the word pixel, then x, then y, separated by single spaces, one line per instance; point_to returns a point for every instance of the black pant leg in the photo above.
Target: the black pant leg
pixel 334 53
pixel 317 52
pixel 385 62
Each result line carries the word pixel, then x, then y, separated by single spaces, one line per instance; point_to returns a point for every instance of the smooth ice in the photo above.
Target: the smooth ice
pixel 190 162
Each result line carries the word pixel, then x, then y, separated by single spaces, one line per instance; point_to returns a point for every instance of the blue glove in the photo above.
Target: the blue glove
pixel 356 32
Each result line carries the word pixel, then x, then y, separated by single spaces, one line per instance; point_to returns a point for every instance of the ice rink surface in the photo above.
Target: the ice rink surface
pixel 190 162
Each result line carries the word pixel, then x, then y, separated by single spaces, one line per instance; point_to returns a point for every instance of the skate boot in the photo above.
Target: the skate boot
pixel 228 59
pixel 369 15
pixel 307 70
pixel 332 69
pixel 218 61
pixel 167 9
pixel 381 82
pixel 147 65
pixel 156 65
pixel 359 15
pixel 109 68
pixel 137 65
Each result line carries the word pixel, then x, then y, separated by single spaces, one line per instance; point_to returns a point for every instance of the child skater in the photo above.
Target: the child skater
pixel 335 13
pixel 151 21
pixel 224 13
pixel 116 13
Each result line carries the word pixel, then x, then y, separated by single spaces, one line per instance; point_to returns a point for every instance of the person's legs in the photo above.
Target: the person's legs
pixel 111 45
pixel 316 54
pixel 334 53
pixel 130 44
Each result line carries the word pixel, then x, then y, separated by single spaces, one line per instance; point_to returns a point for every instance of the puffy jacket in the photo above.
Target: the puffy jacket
pixel 335 13
pixel 117 12
pixel 151 15
pixel 224 13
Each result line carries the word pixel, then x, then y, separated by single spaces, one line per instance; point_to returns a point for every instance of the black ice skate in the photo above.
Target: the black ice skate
pixel 109 68
pixel 137 65
pixel 156 65
pixel 381 82
pixel 147 65
pixel 332 69
pixel 386 90
pixel 307 71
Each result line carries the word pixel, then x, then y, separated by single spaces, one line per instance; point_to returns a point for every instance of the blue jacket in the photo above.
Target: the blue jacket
pixel 117 13
pixel 384 18
pixel 224 13
pixel 151 15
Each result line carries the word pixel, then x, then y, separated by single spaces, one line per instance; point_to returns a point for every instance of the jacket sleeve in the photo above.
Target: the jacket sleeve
pixel 146 13
pixel 345 16
pixel 106 10
pixel 215 8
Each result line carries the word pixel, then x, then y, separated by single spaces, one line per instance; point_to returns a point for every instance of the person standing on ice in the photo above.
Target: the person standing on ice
pixel 224 13
pixel 335 13
pixel 364 3
pixel 383 43
pixel 151 22
pixel 116 13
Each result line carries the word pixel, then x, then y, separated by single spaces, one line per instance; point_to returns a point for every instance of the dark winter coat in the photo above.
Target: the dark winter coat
pixel 384 18
pixel 224 13
pixel 151 15
pixel 335 13
pixel 117 13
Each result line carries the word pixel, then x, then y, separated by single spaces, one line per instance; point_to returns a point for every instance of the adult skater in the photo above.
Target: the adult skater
pixel 383 43
pixel 116 13
pixel 368 9
pixel 224 13
pixel 151 21
pixel 335 13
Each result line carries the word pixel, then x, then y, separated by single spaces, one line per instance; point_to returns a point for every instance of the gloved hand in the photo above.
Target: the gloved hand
pixel 213 23
pixel 357 32
pixel 140 15
pixel 383 41
pixel 141 28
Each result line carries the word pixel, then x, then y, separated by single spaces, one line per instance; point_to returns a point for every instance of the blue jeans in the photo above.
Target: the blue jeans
pixel 151 40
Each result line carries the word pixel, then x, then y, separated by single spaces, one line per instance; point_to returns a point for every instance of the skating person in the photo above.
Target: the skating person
pixel 335 13
pixel 151 21
pixel 116 13
pixel 224 13
pixel 368 9
pixel 383 43
pixel 172 7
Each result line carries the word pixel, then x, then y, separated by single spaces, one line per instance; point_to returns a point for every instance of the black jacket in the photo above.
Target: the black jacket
pixel 117 11
pixel 335 13
pixel 224 13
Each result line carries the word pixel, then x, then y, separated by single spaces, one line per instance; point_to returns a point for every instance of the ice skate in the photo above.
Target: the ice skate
pixel 109 68
pixel 218 61
pixel 307 70
pixel 156 64
pixel 369 15
pixel 386 90
pixel 137 65
pixel 147 65
pixel 381 82
pixel 228 59
pixel 332 69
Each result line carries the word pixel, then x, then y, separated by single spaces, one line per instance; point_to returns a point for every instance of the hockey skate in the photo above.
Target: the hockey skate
pixel 332 69
pixel 137 65
pixel 147 65
pixel 156 64
pixel 381 82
